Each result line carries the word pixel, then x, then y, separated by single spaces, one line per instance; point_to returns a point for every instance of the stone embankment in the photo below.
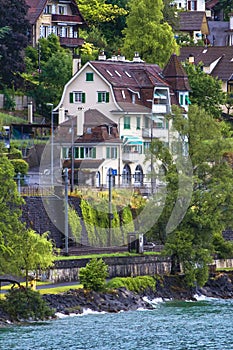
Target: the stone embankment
pixel 219 285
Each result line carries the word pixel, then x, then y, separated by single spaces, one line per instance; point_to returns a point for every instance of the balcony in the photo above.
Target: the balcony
pixel 67 19
pixel 71 42
pixel 130 157
pixel 160 133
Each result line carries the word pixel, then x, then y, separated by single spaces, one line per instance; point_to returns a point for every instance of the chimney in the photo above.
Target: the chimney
pixel 191 59
pixel 80 121
pixel 30 112
pixel 61 115
pixel 102 56
pixel 136 57
pixel 76 64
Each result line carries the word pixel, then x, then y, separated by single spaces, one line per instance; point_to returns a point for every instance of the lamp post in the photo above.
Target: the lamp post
pixel 52 141
pixel 72 155
pixel 66 212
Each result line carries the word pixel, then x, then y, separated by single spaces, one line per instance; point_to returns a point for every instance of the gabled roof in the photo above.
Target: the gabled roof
pixel 93 117
pixel 130 74
pixel 36 7
pixel 190 21
pixel 175 74
pixel 207 55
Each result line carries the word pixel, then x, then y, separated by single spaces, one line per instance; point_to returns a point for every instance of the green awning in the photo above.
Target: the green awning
pixel 132 141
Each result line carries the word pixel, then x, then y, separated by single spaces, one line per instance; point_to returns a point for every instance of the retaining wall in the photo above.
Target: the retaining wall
pixel 129 266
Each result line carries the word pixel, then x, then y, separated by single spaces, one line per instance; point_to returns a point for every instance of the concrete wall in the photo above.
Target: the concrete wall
pixel 67 270
pixel 224 263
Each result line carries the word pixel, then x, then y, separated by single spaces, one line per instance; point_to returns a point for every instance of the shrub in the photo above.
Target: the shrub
pixel 135 284
pixel 25 304
pixel 94 275
pixel 20 165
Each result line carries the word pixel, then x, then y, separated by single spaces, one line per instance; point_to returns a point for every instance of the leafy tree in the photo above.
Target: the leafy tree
pixel 98 11
pixel 191 244
pixel 13 41
pixel 206 90
pixel 10 212
pixel 94 275
pixel 30 252
pixel 26 304
pixel 147 34
pixel 46 80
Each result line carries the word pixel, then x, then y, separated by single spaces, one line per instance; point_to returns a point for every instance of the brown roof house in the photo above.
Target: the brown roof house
pixel 122 106
pixel 216 60
pixel 194 24
pixel 60 17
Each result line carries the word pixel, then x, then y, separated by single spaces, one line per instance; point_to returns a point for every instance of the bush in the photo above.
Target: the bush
pixel 134 284
pixel 25 304
pixel 20 165
pixel 94 275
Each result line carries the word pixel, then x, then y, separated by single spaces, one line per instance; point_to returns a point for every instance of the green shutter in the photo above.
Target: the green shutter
pixel 76 152
pixel 89 77
pixel 107 152
pixel 107 96
pixel 99 97
pixel 81 152
pixel 71 97
pixel 94 152
pixel 83 97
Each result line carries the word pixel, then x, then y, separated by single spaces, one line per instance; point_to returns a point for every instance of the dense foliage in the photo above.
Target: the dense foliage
pixel 13 41
pixel 94 275
pixel 26 304
pixel 135 284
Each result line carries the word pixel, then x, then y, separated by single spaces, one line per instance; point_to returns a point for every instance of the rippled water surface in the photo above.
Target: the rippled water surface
pixel 205 324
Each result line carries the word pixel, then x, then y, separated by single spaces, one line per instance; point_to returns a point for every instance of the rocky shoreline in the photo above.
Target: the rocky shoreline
pixel 167 288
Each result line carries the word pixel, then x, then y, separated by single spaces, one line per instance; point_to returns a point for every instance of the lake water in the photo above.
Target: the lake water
pixel 205 324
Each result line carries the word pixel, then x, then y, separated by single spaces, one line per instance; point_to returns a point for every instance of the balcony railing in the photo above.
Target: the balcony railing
pixel 156 132
pixel 71 42
pixel 74 19
pixel 130 157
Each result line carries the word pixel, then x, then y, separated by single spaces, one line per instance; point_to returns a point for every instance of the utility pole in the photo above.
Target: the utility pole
pixel 72 156
pixel 66 212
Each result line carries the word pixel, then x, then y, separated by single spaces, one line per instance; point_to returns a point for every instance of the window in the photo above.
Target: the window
pixel 181 100
pixel 126 122
pixel 138 123
pixel 65 152
pixel 146 146
pixel 61 10
pixel 147 119
pixel 111 152
pixel 48 9
pixel 89 77
pixel 77 97
pixel 87 152
pixel 103 96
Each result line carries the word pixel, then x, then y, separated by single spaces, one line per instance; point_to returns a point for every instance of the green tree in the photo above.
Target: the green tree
pixel 94 275
pixel 46 80
pixel 191 244
pixel 13 41
pixel 10 212
pixel 30 252
pixel 206 90
pixel 147 34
